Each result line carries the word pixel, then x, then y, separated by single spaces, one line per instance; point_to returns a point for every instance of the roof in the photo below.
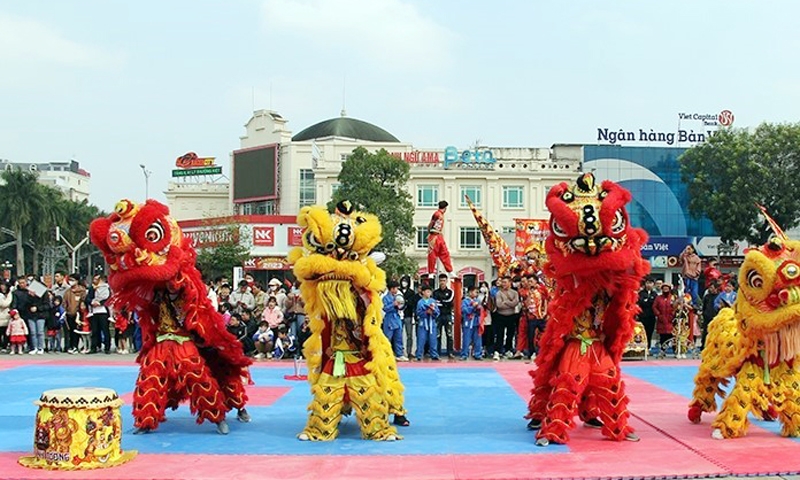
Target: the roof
pixel 347 128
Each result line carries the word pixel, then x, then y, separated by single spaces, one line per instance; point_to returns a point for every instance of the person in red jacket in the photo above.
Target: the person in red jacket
pixel 711 272
pixel 664 309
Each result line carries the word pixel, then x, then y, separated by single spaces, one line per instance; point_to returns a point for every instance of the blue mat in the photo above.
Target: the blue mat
pixel 452 411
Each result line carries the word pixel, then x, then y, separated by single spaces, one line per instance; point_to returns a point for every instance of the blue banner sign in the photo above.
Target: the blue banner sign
pixel 665 246
pixel 475 159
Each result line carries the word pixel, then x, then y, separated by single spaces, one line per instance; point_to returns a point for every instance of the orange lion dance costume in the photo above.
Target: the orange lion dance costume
pixel 186 351
pixel 594 257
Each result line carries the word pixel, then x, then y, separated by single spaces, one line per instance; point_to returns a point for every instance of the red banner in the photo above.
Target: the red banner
pixel 529 233
pixel 264 236
pixel 295 236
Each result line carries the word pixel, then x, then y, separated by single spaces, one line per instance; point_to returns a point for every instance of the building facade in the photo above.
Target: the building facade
pixel 67 177
pixel 505 183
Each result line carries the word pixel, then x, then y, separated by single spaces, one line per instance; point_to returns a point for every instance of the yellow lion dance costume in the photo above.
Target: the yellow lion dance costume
pixel 758 342
pixel 350 361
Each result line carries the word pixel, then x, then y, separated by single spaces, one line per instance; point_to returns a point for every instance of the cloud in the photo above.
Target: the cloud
pixel 388 33
pixel 27 41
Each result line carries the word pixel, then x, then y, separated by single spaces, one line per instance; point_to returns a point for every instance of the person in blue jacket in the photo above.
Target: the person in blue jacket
pixel 393 304
pixel 427 313
pixel 471 325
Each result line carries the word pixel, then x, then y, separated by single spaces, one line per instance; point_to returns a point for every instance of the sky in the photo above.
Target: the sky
pixel 114 84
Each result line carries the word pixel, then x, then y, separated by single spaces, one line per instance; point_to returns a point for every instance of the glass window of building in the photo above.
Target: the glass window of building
pixel 474 194
pixel 513 197
pixel 427 195
pixel 335 188
pixel 469 238
pixel 422 237
pixel 308 191
pixel 508 230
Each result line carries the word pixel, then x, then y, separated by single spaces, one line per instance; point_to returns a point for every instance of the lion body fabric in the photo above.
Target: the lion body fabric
pixel 595 262
pixel 187 354
pixel 756 342
pixel 351 366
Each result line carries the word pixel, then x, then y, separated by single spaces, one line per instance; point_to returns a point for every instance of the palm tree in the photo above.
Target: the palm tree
pixel 23 202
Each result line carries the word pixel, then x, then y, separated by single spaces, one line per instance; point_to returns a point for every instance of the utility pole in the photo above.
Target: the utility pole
pixel 73 265
pixel 146 180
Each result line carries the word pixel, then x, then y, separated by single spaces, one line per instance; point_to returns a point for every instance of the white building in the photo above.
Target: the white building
pixel 198 200
pixel 68 177
pixel 505 183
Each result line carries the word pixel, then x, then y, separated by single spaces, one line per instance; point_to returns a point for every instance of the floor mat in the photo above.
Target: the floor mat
pixel 466 423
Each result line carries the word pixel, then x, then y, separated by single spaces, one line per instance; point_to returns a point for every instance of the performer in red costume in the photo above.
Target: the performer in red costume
pixel 437 248
pixel 187 354
pixel 594 258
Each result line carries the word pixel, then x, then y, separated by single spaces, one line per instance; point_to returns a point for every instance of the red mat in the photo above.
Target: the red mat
pixel 670 447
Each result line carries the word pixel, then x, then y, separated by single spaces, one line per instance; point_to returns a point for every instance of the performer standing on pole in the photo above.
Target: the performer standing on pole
pixel 437 248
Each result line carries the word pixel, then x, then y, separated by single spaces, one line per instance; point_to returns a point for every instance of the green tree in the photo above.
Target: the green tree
pixel 24 209
pixel 376 183
pixel 223 256
pixel 737 169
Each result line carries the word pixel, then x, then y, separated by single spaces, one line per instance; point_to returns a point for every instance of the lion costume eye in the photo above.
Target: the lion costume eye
pixel 557 230
pixel 754 279
pixel 618 225
pixel 154 233
pixel 312 240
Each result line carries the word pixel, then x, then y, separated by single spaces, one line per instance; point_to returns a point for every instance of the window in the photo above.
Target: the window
pixel 335 188
pixel 427 195
pixel 507 230
pixel 512 197
pixel 422 237
pixel 474 193
pixel 307 188
pixel 470 238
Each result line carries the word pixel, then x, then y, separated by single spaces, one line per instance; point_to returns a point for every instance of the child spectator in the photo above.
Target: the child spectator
pixel 273 315
pixel 84 330
pixel 225 311
pixel 238 330
pixel 285 345
pixel 53 323
pixel 471 325
pixel 122 325
pixel 17 332
pixel 427 313
pixel 264 340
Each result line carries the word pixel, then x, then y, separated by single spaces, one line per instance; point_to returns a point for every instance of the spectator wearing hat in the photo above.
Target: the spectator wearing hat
pixel 664 309
pixel 276 291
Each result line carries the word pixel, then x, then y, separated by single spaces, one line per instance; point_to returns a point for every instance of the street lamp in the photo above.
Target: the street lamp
pixel 146 180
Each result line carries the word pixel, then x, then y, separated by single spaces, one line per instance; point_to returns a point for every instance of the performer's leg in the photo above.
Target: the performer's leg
pixel 605 397
pixel 325 409
pixel 152 391
pixel 731 421
pixel 444 254
pixel 567 390
pixel 206 400
pixel 785 399
pixel 371 409
pixel 432 255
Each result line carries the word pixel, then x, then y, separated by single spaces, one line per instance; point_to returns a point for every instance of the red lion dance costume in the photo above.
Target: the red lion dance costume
pixel 594 258
pixel 186 351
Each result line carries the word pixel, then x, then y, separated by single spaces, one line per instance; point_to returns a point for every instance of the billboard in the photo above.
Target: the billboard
pixel 255 174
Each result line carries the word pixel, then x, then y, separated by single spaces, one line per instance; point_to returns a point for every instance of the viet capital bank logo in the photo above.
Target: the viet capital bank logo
pixel 722 119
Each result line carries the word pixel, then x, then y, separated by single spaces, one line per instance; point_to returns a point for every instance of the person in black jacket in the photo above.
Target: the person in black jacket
pixel 647 295
pixel 709 310
pixel 444 298
pixel 411 298
pixel 29 304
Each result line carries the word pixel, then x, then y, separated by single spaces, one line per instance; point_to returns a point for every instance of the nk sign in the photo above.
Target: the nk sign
pixel 264 236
